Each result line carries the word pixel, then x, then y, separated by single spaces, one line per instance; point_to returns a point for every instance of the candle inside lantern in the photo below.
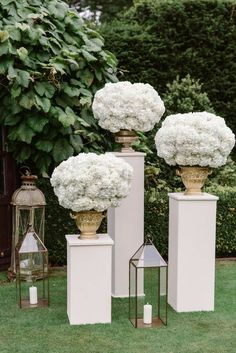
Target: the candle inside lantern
pixel 147 314
pixel 33 295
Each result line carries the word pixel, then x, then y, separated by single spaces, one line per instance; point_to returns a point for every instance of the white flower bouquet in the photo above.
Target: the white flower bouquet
pixel 91 182
pixel 194 139
pixel 126 106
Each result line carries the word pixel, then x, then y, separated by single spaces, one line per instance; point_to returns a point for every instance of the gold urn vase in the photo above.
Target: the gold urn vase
pixel 88 223
pixel 126 138
pixel 193 178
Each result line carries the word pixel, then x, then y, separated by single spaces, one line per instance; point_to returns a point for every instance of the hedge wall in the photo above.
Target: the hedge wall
pixel 58 222
pixel 157 40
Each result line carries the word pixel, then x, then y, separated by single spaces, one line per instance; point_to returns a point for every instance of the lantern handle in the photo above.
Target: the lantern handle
pixel 149 239
pixel 25 170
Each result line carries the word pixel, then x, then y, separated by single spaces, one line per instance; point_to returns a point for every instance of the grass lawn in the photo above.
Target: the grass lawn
pixel 47 330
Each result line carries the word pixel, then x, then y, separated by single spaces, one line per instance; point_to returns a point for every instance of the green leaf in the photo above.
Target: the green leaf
pixel 37 123
pixel 4 35
pixel 62 150
pixel 43 103
pixel 27 102
pixel 22 133
pixel 12 120
pixel 89 57
pixel 44 145
pixel 85 100
pixel 42 162
pixel 67 118
pixel 4 47
pixel 44 88
pixel 86 77
pixel 22 53
pixel 15 91
pixel 22 78
pixel 76 142
pixel 72 91
pixel 24 154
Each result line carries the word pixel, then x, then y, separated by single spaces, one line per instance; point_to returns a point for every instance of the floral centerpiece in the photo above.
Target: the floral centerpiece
pixel 198 139
pixel 90 182
pixel 123 108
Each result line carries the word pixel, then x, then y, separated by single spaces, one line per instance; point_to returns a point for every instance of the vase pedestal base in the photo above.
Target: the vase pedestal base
pixel 191 260
pixel 89 279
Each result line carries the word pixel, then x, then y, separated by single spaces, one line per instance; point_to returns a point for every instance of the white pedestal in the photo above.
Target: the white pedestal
pixel 89 280
pixel 126 225
pixel 192 227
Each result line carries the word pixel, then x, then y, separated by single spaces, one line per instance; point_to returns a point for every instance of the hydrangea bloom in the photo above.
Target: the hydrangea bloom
pixel 91 182
pixel 128 106
pixel 194 139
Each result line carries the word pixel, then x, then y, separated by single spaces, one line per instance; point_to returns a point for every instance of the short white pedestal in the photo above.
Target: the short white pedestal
pixel 89 280
pixel 192 227
pixel 126 225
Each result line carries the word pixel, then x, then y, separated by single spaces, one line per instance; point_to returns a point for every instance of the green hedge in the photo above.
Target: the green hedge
pixel 156 220
pixel 157 40
pixel 58 222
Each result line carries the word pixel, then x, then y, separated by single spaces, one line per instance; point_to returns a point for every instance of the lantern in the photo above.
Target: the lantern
pixel 28 208
pixel 32 278
pixel 147 287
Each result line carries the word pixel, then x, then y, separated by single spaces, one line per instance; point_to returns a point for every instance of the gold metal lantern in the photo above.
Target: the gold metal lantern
pixel 32 277
pixel 28 207
pixel 147 287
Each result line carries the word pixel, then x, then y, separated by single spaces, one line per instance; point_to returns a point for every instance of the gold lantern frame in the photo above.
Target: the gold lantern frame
pixel 28 207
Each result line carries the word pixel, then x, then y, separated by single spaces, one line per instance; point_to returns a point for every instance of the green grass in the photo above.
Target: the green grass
pixel 48 331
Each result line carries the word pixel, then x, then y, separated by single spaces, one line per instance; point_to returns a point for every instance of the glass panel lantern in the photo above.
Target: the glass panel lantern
pixel 147 287
pixel 32 271
pixel 28 208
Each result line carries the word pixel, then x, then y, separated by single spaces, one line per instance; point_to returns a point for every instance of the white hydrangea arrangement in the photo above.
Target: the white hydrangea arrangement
pixel 91 182
pixel 126 106
pixel 194 139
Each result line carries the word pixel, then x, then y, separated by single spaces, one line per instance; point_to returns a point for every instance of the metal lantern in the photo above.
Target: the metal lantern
pixel 32 271
pixel 147 287
pixel 28 204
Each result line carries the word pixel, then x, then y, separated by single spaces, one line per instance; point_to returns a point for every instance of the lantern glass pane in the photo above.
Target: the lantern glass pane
pixel 132 296
pixel 163 295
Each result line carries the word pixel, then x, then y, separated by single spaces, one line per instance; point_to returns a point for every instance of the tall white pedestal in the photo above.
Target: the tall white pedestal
pixel 126 225
pixel 89 280
pixel 192 228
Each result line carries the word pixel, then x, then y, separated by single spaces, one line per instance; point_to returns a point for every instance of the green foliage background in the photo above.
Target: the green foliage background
pixel 51 64
pixel 157 40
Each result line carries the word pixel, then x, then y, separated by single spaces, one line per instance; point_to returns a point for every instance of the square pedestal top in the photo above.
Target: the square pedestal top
pixel 203 197
pixel 103 239
pixel 129 154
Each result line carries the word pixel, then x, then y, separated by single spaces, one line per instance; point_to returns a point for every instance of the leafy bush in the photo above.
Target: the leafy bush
pixel 157 40
pixel 51 65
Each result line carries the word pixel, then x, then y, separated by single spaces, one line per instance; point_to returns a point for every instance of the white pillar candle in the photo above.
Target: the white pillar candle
pixel 33 295
pixel 147 314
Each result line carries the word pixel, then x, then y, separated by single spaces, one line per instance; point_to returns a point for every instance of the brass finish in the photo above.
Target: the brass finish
pixel 193 178
pixel 156 322
pixel 88 223
pixel 126 138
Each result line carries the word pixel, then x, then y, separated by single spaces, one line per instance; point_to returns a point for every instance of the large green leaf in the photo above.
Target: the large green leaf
pixel 71 91
pixel 22 78
pixel 4 35
pixel 27 102
pixel 44 89
pixel 37 123
pixel 62 150
pixel 43 103
pixel 22 53
pixel 25 133
pixel 44 145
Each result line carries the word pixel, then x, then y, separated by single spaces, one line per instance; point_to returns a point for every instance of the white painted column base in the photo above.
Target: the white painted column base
pixel 192 228
pixel 126 225
pixel 89 280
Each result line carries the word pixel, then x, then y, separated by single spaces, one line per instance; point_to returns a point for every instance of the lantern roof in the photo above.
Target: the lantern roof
pixel 31 242
pixel 28 194
pixel 148 256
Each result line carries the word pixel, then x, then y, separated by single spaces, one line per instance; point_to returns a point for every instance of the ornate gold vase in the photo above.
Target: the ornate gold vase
pixel 126 138
pixel 193 178
pixel 88 223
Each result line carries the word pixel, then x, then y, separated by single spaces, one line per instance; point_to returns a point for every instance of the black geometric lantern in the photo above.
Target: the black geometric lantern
pixel 147 287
